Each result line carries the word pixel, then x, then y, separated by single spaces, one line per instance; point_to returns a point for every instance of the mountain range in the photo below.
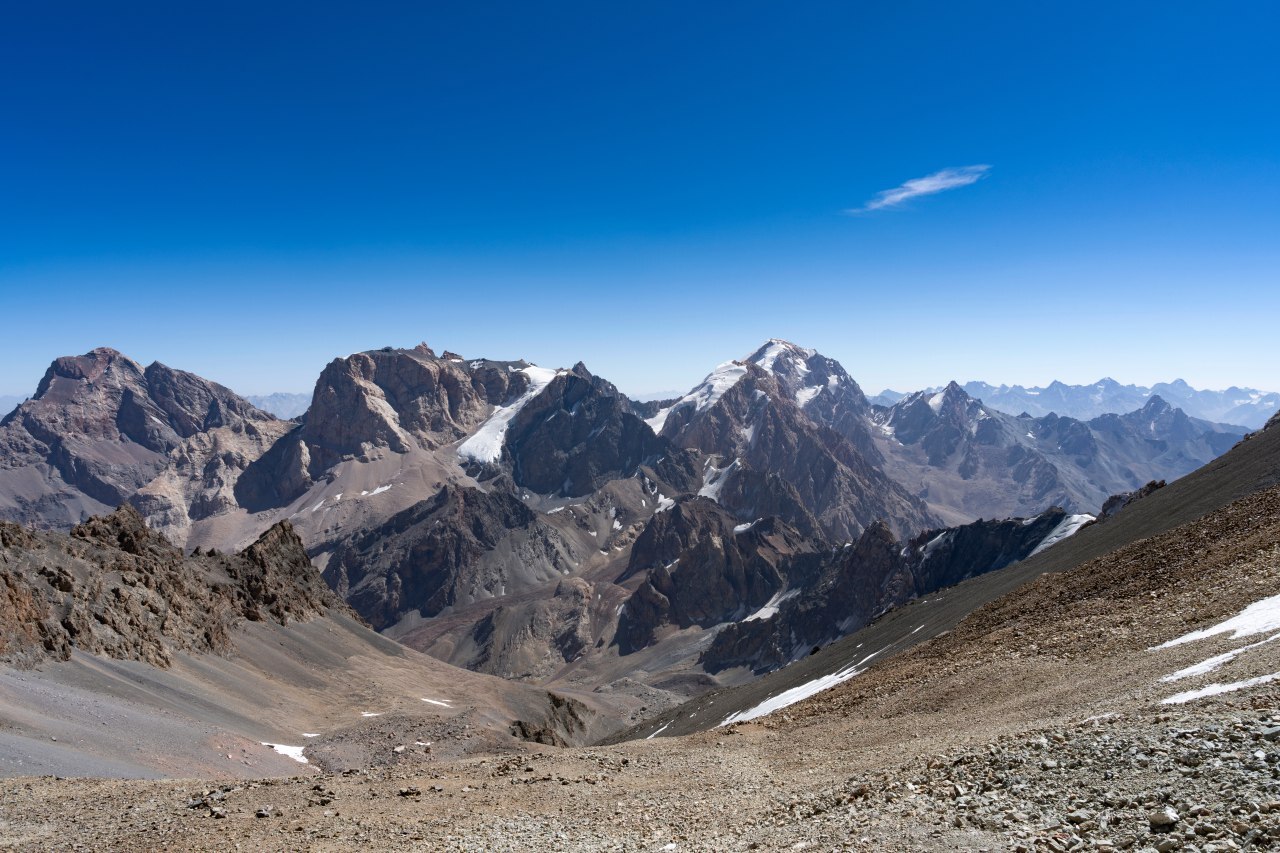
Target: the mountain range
pixel 537 524
pixel 282 404
pixel 1247 407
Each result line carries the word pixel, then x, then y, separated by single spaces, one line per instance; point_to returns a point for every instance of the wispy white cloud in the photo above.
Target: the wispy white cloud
pixel 947 179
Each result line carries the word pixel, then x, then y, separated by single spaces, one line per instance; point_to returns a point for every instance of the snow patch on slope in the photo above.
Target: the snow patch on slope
pixel 294 752
pixel 1217 689
pixel 771 606
pixel 486 444
pixel 1065 529
pixel 800 693
pixel 804 395
pixel 1258 618
pixel 714 480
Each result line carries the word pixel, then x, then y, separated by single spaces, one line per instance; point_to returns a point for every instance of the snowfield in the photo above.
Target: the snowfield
pixel 486 444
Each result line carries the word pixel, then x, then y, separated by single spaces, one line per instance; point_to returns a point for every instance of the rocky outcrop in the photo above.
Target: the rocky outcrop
pixel 858 582
pixel 458 546
pixel 113 587
pixel 1115 503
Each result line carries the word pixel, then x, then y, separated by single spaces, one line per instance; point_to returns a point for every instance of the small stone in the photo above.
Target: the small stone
pixel 410 791
pixel 217 812
pixel 265 811
pixel 1163 821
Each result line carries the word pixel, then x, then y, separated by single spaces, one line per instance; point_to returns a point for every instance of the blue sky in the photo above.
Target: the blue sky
pixel 249 190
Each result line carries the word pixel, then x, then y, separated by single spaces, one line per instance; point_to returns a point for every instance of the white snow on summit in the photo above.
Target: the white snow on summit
pixel 705 395
pixel 486 444
pixel 768 355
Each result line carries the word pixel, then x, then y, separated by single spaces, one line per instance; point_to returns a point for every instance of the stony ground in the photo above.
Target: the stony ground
pixel 1195 780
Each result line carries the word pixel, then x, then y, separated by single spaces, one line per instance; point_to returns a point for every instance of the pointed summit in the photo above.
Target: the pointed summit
pixel 1156 406
pixel 767 356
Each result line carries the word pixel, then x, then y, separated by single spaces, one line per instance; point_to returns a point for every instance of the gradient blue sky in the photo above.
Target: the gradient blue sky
pixel 247 190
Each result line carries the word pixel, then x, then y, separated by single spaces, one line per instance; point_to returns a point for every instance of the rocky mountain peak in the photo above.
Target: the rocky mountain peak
pixel 1156 406
pixel 89 367
pixel 100 427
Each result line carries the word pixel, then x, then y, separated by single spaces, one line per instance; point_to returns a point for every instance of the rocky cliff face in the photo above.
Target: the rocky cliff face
pixel 113 587
pixel 578 435
pixel 701 567
pixel 99 428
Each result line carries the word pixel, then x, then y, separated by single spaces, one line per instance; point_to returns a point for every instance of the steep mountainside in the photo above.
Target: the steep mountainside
pixel 100 427
pixel 745 416
pixel 1244 406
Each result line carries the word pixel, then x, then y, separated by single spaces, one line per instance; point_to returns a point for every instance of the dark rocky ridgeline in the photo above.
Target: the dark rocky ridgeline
pixel 113 587
pixel 98 428
pixel 455 547
pixel 701 567
pixel 580 433
pixel 1115 503
pixel 858 582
